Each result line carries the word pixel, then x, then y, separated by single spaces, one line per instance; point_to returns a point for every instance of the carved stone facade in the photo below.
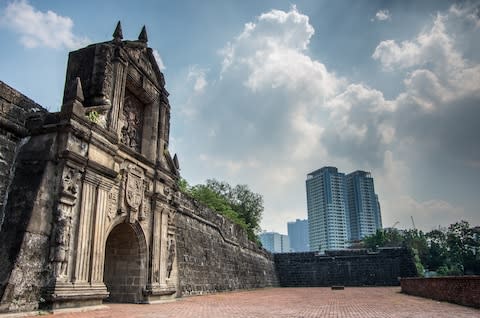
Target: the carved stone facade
pixel 93 207
pixel 111 173
pixel 132 122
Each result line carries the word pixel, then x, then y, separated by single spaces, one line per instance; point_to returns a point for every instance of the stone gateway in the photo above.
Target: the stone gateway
pixel 89 199
pixel 90 209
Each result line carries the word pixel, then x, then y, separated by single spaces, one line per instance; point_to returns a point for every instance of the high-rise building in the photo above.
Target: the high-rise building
pixel 363 206
pixel 298 235
pixel 341 208
pixel 275 242
pixel 327 210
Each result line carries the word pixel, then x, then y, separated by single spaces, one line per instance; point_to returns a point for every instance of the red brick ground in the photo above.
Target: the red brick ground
pixel 290 302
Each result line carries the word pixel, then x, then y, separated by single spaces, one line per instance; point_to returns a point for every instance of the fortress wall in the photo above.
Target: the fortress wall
pixel 345 267
pixel 214 254
pixel 14 109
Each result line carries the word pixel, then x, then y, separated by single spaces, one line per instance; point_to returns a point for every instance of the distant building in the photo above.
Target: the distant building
pixel 363 206
pixel 298 235
pixel 341 208
pixel 327 211
pixel 275 242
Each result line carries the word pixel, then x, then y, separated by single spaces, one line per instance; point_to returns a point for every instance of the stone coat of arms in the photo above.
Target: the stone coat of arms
pixel 134 191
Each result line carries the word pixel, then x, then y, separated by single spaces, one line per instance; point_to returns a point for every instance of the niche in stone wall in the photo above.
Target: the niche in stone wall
pixel 133 118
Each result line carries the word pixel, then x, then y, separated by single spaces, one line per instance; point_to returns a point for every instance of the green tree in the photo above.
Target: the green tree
pixel 437 249
pixel 390 237
pixel 216 202
pixel 183 185
pixel 417 241
pixel 455 251
pixel 249 206
pixel 463 244
pixel 238 203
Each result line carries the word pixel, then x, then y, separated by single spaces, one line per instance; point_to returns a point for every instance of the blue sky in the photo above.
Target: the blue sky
pixel 264 92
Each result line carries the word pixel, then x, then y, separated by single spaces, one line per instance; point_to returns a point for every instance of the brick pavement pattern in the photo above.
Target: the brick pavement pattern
pixel 381 302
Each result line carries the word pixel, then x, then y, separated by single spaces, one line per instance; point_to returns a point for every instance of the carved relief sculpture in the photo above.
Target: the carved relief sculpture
pixel 133 122
pixel 112 204
pixel 63 218
pixel 70 181
pixel 62 240
pixel 134 189
pixel 171 256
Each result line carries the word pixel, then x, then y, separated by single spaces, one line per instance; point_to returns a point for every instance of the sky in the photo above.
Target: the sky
pixel 264 92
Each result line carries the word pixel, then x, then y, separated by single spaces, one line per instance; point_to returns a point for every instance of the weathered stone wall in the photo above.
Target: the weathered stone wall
pixel 25 267
pixel 214 254
pixel 463 290
pixel 348 268
pixel 14 108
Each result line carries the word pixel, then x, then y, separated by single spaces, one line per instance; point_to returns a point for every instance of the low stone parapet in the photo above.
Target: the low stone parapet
pixel 462 290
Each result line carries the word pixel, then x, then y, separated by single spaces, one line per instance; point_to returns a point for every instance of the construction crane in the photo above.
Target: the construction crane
pixel 395 224
pixel 413 222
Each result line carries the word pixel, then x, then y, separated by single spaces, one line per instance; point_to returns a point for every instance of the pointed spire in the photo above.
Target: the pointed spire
pixel 73 100
pixel 175 162
pixel 117 34
pixel 143 35
pixel 78 91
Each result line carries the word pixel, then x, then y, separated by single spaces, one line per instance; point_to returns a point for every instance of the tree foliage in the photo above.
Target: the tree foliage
pixel 453 251
pixel 238 203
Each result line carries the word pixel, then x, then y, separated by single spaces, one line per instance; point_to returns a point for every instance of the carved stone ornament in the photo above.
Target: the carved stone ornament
pixel 133 122
pixel 62 240
pixel 171 217
pixel 134 188
pixel 70 181
pixel 171 246
pixel 112 204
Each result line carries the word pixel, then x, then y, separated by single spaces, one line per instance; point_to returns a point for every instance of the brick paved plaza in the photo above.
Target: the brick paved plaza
pixel 290 302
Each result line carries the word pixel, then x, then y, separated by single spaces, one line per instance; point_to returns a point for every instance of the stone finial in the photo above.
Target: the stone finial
pixel 78 90
pixel 117 34
pixel 175 162
pixel 73 103
pixel 143 35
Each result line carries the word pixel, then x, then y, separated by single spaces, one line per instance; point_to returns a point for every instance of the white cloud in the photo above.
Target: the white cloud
pixel 40 29
pixel 232 166
pixel 276 105
pixel 198 76
pixel 382 15
pixel 159 60
pixel 434 45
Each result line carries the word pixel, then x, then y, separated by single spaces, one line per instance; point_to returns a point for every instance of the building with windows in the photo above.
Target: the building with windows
pixel 363 206
pixel 327 209
pixel 275 242
pixel 298 235
pixel 341 208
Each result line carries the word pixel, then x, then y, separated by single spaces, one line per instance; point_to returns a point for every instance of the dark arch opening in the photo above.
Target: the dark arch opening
pixel 124 272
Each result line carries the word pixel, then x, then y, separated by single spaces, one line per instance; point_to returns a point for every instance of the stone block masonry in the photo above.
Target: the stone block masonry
pixel 464 290
pixel 214 254
pixel 14 109
pixel 345 267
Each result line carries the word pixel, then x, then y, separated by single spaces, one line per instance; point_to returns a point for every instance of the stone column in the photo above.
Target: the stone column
pixel 163 248
pixel 85 225
pixel 171 249
pixel 156 242
pixel 99 233
pixel 63 222
pixel 118 88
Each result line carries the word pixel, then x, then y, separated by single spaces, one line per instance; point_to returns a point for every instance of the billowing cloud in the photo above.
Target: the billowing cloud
pixel 37 29
pixel 198 76
pixel 382 15
pixel 275 106
pixel 435 45
pixel 159 60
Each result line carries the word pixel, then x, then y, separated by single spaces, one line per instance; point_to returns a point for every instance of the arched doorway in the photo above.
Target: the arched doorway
pixel 125 264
